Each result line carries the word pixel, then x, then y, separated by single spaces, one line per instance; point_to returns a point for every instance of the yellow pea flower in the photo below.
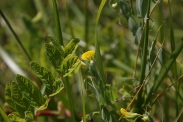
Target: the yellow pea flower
pixel 132 117
pixel 123 112
pixel 128 115
pixel 89 55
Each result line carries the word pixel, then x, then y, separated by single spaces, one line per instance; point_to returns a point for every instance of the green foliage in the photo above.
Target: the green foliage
pixel 54 56
pixel 23 96
pixel 71 47
pixel 16 100
pixel 69 65
pixel 136 60
pixel 53 86
pixel 15 118
pixel 141 6
pixel 30 91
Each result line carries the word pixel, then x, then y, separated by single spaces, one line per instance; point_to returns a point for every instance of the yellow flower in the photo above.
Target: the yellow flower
pixel 123 112
pixel 128 115
pixel 89 55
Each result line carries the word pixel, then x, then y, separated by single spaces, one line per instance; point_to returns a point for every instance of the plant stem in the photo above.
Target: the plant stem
pixel 145 46
pixel 3 114
pixel 69 21
pixel 69 95
pixel 174 67
pixel 57 23
pixel 140 99
pixel 15 35
pixel 83 97
pixel 165 70
pixel 86 21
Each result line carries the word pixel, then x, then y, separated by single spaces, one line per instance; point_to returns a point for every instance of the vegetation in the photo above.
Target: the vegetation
pixel 91 61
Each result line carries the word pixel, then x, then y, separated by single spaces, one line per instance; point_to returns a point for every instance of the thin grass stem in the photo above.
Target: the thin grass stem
pixel 165 70
pixel 15 35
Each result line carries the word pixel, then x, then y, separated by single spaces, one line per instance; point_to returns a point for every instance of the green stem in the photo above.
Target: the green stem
pixel 83 99
pixel 57 23
pixel 86 21
pixel 69 21
pixel 69 95
pixel 140 99
pixel 174 67
pixel 165 70
pixel 15 35
pixel 3 114
pixel 145 46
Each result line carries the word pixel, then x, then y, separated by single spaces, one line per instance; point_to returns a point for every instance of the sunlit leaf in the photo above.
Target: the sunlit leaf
pixel 71 47
pixel 15 99
pixel 56 44
pixel 30 91
pixel 45 105
pixel 8 97
pixel 44 74
pixel 15 118
pixel 29 117
pixel 54 56
pixel 55 86
pixel 58 86
pixel 69 65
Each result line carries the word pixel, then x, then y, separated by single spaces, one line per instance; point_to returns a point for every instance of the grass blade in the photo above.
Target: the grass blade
pixel 57 23
pixel 3 114
pixel 165 70
pixel 97 49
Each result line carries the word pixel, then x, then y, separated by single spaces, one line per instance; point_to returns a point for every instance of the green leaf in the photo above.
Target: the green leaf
pixel 57 22
pixel 58 86
pixel 106 115
pixel 15 118
pixel 139 37
pixel 55 86
pixel 152 53
pixel 69 65
pixel 8 97
pixel 54 56
pixel 132 24
pixel 16 94
pixel 164 70
pixel 125 8
pixel 44 74
pixel 29 117
pixel 15 99
pixel 141 6
pixel 56 44
pixel 71 47
pixel 97 48
pixel 100 10
pixel 45 105
pixel 30 91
